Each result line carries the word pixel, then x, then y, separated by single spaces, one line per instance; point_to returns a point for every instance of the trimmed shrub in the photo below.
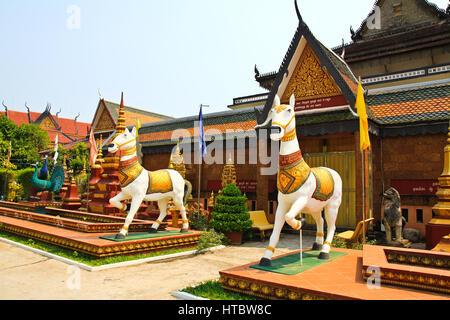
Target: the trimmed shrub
pixel 24 178
pixel 231 212
pixel 7 175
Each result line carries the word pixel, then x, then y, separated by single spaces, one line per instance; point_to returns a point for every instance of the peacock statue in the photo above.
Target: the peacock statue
pixel 43 173
pixel 56 180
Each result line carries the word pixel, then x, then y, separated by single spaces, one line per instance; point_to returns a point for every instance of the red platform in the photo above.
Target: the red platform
pixel 90 243
pixel 341 278
pixel 436 229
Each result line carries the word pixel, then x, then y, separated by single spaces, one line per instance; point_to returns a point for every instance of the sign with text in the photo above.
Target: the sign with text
pixel 320 103
pixel 243 185
pixel 416 187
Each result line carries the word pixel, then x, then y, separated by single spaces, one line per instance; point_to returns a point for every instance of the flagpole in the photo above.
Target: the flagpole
pixel 199 180
pixel 88 187
pixel 364 193
pixel 201 136
pixel 301 243
pixel 364 144
pixel 363 164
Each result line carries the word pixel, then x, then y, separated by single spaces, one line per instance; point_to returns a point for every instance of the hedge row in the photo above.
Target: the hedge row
pixel 22 177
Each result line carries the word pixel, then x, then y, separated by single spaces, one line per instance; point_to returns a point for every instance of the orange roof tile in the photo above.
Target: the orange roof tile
pixel 67 125
pixel 411 107
pixel 193 132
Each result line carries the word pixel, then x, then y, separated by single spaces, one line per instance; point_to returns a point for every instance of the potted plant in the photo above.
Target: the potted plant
pixel 230 214
pixel 198 217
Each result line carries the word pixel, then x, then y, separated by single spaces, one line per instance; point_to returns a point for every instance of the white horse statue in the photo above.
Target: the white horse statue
pixel 139 184
pixel 301 189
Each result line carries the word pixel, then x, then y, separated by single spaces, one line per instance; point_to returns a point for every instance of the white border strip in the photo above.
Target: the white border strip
pixel 180 295
pixel 108 266
pixel 322 110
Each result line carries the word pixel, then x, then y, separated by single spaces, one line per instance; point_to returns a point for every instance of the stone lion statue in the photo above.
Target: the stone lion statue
pixel 393 218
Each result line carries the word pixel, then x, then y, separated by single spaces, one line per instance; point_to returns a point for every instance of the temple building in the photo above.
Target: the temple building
pixel 68 130
pixel 404 65
pixel 107 115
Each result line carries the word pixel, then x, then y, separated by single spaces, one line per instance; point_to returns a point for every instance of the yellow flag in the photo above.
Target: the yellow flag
pixel 363 123
pixel 138 126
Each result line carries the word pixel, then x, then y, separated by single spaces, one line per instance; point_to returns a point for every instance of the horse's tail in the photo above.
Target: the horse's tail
pixel 187 191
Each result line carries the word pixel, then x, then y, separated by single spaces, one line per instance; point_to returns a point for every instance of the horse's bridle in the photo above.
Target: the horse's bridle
pixel 288 136
pixel 126 152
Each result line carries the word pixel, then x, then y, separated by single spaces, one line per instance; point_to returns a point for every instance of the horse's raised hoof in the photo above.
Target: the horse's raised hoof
pixel 153 230
pixel 317 247
pixel 184 231
pixel 120 236
pixel 300 224
pixel 265 262
pixel 324 256
pixel 303 222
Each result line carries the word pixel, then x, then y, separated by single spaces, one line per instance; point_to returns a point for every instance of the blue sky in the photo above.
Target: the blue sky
pixel 167 56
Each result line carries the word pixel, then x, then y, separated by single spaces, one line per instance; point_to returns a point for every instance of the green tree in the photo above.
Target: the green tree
pixel 231 212
pixel 75 157
pixel 26 140
pixel 8 129
pixel 4 149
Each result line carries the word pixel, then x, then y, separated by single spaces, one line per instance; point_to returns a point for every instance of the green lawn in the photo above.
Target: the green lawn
pixel 81 257
pixel 213 290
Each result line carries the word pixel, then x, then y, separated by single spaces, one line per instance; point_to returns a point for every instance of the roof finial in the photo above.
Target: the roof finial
pixel 298 12
pixel 343 49
pixel 257 74
pixel 57 114
pixel 353 33
pixel 29 113
pixel 6 108
pixel 76 127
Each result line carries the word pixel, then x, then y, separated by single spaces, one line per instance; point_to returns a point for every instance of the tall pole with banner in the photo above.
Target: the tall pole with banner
pixel 364 147
pixel 202 150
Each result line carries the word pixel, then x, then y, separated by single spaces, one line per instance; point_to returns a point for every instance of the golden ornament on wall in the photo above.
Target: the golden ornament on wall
pixel 309 80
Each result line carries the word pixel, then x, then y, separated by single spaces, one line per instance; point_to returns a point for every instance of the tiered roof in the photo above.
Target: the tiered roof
pixel 409 105
pixel 67 130
pixel 425 106
pixel 161 133
pixel 132 114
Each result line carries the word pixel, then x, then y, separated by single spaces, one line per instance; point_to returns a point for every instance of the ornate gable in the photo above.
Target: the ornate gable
pixel 310 80
pixel 104 122
pixel 47 122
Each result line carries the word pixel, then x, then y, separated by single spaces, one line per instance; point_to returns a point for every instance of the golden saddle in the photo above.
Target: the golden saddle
pixel 159 182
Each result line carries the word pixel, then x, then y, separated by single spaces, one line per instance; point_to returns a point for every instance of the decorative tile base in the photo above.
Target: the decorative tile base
pixel 340 279
pixel 91 244
pixel 418 269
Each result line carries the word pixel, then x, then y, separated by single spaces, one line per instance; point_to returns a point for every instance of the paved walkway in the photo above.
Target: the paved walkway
pixel 28 276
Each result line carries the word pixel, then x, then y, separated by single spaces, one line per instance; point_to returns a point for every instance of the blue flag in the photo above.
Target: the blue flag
pixel 201 133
